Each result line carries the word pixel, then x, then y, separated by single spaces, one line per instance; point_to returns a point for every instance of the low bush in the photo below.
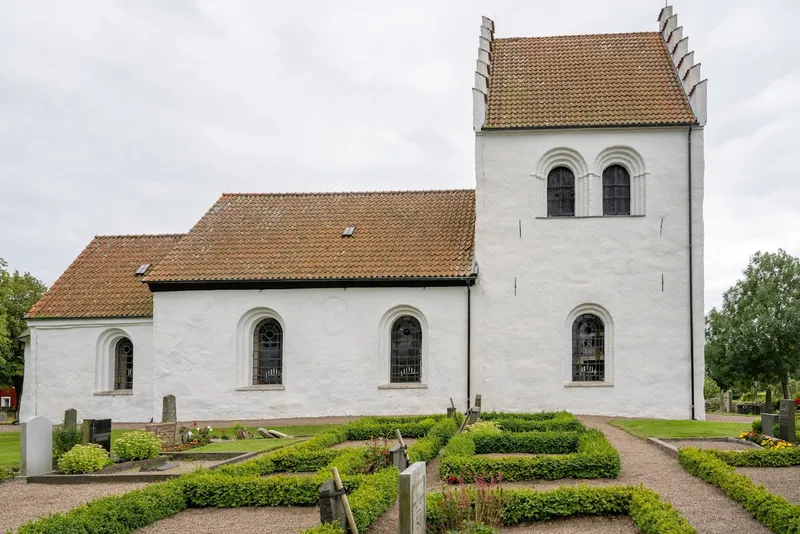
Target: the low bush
pixel 213 490
pixel 526 416
pixel 649 513
pixel 773 511
pixel 527 442
pixel 484 427
pixel 8 474
pixel 117 514
pixel 384 427
pixel 427 448
pixel 326 528
pixel 783 457
pixel 374 496
pixel 595 457
pixel 83 459
pixel 137 445
pixel 64 439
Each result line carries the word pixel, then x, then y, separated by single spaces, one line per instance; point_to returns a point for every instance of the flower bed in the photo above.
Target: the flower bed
pixel 765 441
pixel 570 452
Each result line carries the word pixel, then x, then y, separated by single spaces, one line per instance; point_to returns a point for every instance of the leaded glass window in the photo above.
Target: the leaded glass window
pixel 588 349
pixel 268 353
pixel 123 364
pixel 406 358
pixel 560 193
pixel 616 191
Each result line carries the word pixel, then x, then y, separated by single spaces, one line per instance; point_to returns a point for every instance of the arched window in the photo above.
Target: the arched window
pixel 588 349
pixel 268 353
pixel 616 191
pixel 406 344
pixel 560 193
pixel 123 364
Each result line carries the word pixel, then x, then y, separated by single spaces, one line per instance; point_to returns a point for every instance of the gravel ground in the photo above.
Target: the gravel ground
pixel 779 480
pixel 703 505
pixel 710 444
pixel 266 520
pixel 728 418
pixel 599 525
pixel 23 502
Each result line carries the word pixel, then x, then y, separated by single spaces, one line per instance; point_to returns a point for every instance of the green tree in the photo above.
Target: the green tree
pixel 18 292
pixel 755 336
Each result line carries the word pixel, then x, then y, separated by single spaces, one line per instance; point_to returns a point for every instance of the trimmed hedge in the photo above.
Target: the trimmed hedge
pixel 553 425
pixel 651 515
pixel 527 442
pixel 595 458
pixel 526 416
pixel 760 457
pixel 117 514
pixel 773 511
pixel 438 436
pixel 384 427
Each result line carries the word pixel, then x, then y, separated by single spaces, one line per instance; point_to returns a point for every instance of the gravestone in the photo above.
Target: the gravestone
pixel 265 433
pixel 722 401
pixel 412 499
pixel 451 413
pixel 475 412
pixel 786 421
pixel 169 409
pixel 398 456
pixel 728 401
pixel 71 418
pixel 97 431
pixel 768 422
pixel 166 432
pixel 331 508
pixel 36 446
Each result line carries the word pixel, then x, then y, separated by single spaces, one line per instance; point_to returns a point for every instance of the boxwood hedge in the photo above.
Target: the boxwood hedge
pixel 649 513
pixel 594 457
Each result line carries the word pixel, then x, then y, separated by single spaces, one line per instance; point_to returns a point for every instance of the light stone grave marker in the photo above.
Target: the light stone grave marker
pixel 36 446
pixel 169 409
pixel 412 499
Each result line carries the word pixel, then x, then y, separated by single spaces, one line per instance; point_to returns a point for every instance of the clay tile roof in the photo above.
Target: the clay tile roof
pixel 584 80
pixel 102 282
pixel 408 234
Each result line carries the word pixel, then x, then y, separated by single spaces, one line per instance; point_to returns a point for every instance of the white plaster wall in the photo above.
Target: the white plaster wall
pixel 333 361
pixel 60 370
pixel 520 342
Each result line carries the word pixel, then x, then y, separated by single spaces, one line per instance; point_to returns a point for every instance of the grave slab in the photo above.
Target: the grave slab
pixel 36 446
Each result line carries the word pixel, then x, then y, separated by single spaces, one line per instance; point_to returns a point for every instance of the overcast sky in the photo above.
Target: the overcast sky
pixel 134 116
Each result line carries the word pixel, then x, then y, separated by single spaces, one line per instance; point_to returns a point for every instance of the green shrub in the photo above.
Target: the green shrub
pixel 8 474
pixel 64 439
pixel 116 514
pixel 211 489
pixel 773 511
pixel 595 458
pixel 137 445
pixel 527 442
pixel 529 416
pixel 326 528
pixel 649 513
pixel 83 459
pixel 760 457
pixel 373 497
pixel 484 427
pixel 474 528
pixel 384 427
pixel 427 448
pixel 562 421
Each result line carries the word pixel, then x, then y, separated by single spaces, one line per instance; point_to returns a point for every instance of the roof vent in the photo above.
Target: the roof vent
pixel 142 269
pixel 348 231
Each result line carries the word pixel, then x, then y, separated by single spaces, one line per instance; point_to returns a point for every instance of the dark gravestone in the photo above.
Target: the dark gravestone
pixel 71 418
pixel 451 413
pixel 786 421
pixel 331 508
pixel 97 431
pixel 768 422
pixel 398 456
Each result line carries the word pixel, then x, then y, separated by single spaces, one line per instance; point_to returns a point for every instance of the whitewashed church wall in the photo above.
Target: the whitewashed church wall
pixel 534 271
pixel 62 370
pixel 335 355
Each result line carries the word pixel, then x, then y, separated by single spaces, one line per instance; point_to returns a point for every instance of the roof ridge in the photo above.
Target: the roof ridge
pixel 135 236
pixel 333 193
pixel 572 35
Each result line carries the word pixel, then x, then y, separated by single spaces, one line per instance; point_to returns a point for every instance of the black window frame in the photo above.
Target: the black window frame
pixel 616 191
pixel 405 345
pixel 268 339
pixel 588 349
pixel 561 192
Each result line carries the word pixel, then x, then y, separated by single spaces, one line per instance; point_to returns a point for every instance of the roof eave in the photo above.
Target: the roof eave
pixel 590 126
pixel 307 283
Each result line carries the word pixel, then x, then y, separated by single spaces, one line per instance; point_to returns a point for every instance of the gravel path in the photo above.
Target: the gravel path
pixel 598 525
pixel 703 505
pixel 779 480
pixel 265 520
pixel 710 444
pixel 23 502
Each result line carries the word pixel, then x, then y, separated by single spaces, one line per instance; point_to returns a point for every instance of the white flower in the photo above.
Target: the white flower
pixel 189 433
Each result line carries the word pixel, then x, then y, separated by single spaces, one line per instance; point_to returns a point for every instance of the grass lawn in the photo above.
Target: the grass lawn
pixel 9 450
pixel 245 445
pixel 665 428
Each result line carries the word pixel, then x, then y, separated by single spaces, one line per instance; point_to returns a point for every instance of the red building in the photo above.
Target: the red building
pixel 8 398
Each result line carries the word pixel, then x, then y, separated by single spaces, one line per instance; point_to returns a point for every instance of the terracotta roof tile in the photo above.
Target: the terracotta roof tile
pixel 102 282
pixel 299 237
pixel 584 80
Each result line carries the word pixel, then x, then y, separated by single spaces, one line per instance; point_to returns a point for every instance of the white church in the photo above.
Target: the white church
pixel 571 277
